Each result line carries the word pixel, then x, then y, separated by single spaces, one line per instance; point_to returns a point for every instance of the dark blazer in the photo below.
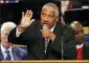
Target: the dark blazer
pixel 18 53
pixel 86 51
pixel 71 51
pixel 35 43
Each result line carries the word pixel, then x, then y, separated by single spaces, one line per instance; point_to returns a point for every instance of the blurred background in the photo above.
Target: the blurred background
pixel 10 10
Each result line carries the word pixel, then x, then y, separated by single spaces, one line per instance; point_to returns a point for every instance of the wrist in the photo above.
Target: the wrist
pixel 20 29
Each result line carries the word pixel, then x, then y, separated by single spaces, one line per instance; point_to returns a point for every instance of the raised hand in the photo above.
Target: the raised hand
pixel 26 19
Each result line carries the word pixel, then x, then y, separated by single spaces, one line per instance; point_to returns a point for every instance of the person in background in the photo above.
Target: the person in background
pixel 68 5
pixel 65 5
pixel 7 50
pixel 81 47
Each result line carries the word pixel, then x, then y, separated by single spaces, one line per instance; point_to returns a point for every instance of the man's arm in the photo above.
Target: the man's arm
pixel 16 35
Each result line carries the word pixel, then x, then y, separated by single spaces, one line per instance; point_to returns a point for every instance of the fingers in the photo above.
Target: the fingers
pixel 22 14
pixel 31 14
pixel 32 20
pixel 27 13
pixel 26 18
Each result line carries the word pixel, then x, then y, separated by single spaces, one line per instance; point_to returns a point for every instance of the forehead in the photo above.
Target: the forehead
pixel 78 28
pixel 6 30
pixel 49 10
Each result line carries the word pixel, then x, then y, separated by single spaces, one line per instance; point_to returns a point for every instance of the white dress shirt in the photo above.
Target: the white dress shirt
pixel 79 46
pixel 4 52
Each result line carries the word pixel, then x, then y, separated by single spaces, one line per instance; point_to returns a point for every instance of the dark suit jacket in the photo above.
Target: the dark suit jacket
pixel 33 39
pixel 71 51
pixel 18 53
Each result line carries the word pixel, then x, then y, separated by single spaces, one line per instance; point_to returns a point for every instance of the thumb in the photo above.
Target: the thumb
pixel 32 20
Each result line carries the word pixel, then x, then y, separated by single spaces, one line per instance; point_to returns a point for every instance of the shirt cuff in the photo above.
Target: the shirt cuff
pixel 18 33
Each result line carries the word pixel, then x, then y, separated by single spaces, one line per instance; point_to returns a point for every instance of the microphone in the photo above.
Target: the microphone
pixel 46 26
pixel 62 44
pixel 62 47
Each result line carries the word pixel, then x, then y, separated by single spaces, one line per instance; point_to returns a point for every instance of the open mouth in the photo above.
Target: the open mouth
pixel 46 24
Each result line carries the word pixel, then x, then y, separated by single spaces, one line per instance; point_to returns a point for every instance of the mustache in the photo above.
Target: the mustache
pixel 46 22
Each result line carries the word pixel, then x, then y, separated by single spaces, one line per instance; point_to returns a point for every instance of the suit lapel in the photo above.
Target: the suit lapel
pixel 40 49
pixel 58 29
pixel 85 51
pixel 1 55
pixel 70 51
pixel 73 53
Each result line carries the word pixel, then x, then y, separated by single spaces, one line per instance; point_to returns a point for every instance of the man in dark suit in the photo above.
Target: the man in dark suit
pixel 80 50
pixel 43 38
pixel 17 54
pixel 7 50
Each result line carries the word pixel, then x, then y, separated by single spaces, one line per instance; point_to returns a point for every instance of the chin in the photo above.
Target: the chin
pixel 79 42
pixel 7 45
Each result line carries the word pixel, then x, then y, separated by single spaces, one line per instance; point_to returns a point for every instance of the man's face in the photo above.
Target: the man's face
pixel 79 34
pixel 48 16
pixel 4 38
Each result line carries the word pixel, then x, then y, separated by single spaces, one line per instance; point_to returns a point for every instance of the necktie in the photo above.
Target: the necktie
pixel 79 54
pixel 8 55
pixel 48 51
pixel 46 44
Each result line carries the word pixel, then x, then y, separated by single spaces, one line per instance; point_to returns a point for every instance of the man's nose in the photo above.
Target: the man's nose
pixel 81 34
pixel 46 18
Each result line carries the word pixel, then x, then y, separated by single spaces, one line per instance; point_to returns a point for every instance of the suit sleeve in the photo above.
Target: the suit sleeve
pixel 15 40
pixel 25 38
